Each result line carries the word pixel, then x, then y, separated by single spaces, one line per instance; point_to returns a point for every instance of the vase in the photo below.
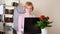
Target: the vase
pixel 44 31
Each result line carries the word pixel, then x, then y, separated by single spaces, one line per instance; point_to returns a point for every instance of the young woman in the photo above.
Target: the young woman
pixel 28 8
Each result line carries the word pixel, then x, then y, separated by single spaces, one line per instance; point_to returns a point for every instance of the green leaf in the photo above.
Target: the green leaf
pixel 43 24
pixel 49 25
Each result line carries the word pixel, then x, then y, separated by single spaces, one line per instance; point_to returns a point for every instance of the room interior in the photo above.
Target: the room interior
pixel 49 8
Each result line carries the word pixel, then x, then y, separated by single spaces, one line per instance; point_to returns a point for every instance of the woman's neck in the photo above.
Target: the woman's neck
pixel 28 13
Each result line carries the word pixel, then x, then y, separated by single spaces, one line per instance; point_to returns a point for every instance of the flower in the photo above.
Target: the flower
pixel 44 22
pixel 47 17
pixel 41 17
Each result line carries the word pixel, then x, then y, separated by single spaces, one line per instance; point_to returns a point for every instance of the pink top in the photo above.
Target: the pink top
pixel 21 21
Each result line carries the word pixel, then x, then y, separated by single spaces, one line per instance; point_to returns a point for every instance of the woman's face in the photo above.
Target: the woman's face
pixel 28 9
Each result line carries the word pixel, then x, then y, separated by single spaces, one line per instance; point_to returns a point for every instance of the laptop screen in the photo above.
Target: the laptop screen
pixel 29 25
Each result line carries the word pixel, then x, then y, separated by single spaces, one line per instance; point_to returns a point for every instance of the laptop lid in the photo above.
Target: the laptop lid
pixel 29 25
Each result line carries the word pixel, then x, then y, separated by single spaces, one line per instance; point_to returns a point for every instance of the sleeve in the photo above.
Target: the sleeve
pixel 20 29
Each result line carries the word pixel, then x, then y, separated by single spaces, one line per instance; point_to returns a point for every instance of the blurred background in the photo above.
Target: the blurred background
pixel 9 10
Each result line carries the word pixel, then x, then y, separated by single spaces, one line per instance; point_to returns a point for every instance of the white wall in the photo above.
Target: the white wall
pixel 9 2
pixel 1 9
pixel 50 8
pixel 2 2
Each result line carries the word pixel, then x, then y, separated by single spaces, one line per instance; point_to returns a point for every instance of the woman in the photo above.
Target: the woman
pixel 28 8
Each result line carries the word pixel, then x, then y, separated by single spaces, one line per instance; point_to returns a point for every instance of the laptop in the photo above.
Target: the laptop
pixel 29 25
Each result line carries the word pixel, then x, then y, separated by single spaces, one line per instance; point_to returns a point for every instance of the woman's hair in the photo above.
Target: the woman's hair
pixel 29 4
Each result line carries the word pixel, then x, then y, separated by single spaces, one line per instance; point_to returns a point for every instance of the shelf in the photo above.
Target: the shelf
pixel 9 15
pixel 9 24
pixel 9 7
pixel 8 19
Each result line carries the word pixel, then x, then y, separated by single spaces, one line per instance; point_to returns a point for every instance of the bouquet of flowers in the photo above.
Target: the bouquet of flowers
pixel 44 22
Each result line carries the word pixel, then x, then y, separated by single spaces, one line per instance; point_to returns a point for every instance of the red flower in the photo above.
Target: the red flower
pixel 41 17
pixel 47 17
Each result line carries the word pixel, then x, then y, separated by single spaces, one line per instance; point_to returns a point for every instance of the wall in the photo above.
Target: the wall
pixel 50 8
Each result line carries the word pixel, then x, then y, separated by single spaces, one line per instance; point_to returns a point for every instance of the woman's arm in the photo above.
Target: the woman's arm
pixel 20 29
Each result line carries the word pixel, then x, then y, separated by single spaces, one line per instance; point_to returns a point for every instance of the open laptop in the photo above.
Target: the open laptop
pixel 29 25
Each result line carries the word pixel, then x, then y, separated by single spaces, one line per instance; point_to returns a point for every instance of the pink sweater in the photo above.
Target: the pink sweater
pixel 21 21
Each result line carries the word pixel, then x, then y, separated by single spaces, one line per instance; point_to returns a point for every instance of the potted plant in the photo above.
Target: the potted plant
pixel 43 23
